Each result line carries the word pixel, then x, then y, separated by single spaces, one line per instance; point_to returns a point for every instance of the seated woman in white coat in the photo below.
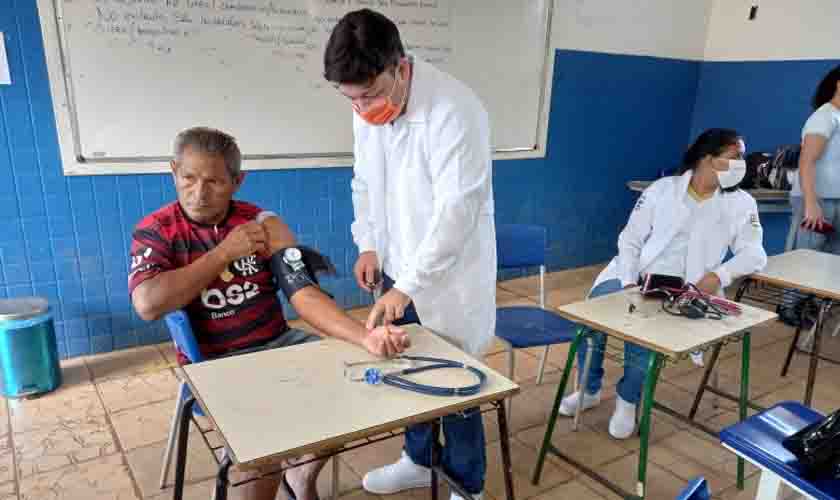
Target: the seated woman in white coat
pixel 681 226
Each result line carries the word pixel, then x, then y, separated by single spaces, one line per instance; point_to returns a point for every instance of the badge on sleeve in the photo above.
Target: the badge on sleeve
pixel 641 202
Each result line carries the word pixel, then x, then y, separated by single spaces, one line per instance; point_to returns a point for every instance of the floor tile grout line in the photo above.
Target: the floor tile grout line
pixel 11 443
pixel 17 477
pixel 117 444
pixel 73 464
pixel 132 408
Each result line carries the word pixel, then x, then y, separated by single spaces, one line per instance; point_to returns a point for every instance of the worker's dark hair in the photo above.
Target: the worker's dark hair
pixel 362 45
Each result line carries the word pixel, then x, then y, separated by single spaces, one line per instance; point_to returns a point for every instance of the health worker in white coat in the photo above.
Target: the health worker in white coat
pixel 684 226
pixel 423 206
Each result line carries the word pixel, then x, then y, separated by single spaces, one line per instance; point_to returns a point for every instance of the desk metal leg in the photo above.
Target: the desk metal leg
pixel 584 378
pixel 769 485
pixel 815 352
pixel 183 438
pixel 651 378
pixel 434 460
pixel 436 468
pixel 222 479
pixel 743 401
pixel 705 380
pixel 335 485
pixel 792 348
pixel 505 442
pixel 561 390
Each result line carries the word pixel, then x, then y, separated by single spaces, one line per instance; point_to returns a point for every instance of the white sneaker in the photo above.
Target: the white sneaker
pixel 623 421
pixel 569 404
pixel 455 496
pixel 697 358
pixel 399 476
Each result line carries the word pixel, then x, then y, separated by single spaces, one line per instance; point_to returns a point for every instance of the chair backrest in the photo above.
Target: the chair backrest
pixel 697 489
pixel 183 336
pixel 520 245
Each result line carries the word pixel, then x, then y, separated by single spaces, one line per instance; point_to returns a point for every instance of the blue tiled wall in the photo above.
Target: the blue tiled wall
pixel 613 118
pixel 768 103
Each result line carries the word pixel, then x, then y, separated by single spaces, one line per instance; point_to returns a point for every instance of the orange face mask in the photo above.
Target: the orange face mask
pixel 384 110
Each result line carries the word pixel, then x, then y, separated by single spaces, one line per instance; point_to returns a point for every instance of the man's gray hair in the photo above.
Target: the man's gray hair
pixel 210 141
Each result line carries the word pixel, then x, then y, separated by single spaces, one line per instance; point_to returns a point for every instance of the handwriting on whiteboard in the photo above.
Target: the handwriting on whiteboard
pixel 287 30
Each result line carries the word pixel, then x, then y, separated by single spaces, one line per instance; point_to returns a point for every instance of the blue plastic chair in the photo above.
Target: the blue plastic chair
pixel 697 489
pixel 518 246
pixel 758 440
pixel 181 332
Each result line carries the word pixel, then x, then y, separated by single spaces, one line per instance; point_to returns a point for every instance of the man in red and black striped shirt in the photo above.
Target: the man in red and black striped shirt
pixel 208 254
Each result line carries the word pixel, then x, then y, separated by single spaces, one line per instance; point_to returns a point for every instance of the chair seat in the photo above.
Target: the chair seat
pixel 697 489
pixel 759 439
pixel 524 326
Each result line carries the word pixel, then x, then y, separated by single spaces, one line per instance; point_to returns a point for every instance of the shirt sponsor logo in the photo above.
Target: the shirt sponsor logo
pixel 234 295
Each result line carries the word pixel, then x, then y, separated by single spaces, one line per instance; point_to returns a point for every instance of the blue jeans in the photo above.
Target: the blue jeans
pixel 799 237
pixel 635 358
pixel 463 456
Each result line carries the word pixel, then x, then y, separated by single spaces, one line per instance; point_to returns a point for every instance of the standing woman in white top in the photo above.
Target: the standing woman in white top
pixel 682 226
pixel 815 199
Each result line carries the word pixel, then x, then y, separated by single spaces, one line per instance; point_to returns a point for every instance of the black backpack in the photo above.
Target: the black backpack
pixel 755 161
pixel 774 173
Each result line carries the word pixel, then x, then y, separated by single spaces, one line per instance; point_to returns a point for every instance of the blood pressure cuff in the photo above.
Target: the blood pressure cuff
pixel 297 267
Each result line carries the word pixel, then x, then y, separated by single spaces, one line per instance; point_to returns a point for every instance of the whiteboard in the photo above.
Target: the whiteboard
pixel 130 74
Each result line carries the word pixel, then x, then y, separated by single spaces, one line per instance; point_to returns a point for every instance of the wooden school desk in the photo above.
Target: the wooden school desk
pixel 668 337
pixel 284 403
pixel 789 277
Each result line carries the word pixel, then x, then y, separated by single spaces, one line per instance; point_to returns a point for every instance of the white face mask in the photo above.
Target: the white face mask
pixel 733 176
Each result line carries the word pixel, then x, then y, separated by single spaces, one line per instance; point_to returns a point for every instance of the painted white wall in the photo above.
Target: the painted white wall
pixel 661 28
pixel 782 30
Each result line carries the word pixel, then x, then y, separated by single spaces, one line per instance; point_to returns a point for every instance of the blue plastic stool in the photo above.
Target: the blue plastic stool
pixel 697 489
pixel 759 441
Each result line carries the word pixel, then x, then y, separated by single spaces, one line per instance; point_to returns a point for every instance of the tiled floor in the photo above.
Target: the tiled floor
pixel 102 434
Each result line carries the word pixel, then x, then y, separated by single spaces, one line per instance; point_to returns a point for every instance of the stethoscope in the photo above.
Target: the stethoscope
pixel 375 376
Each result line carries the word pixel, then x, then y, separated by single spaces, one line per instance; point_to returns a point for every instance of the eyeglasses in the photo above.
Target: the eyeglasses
pixel 375 91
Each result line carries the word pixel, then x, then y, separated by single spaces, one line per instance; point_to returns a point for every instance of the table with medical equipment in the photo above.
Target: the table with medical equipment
pixel 803 276
pixel 323 398
pixel 629 317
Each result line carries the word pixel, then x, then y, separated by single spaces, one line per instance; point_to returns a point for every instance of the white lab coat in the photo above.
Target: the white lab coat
pixel 440 152
pixel 660 212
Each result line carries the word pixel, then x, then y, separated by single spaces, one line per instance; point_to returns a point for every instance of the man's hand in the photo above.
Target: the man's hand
pixel 366 271
pixel 386 341
pixel 278 235
pixel 246 239
pixel 389 308
pixel 709 284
